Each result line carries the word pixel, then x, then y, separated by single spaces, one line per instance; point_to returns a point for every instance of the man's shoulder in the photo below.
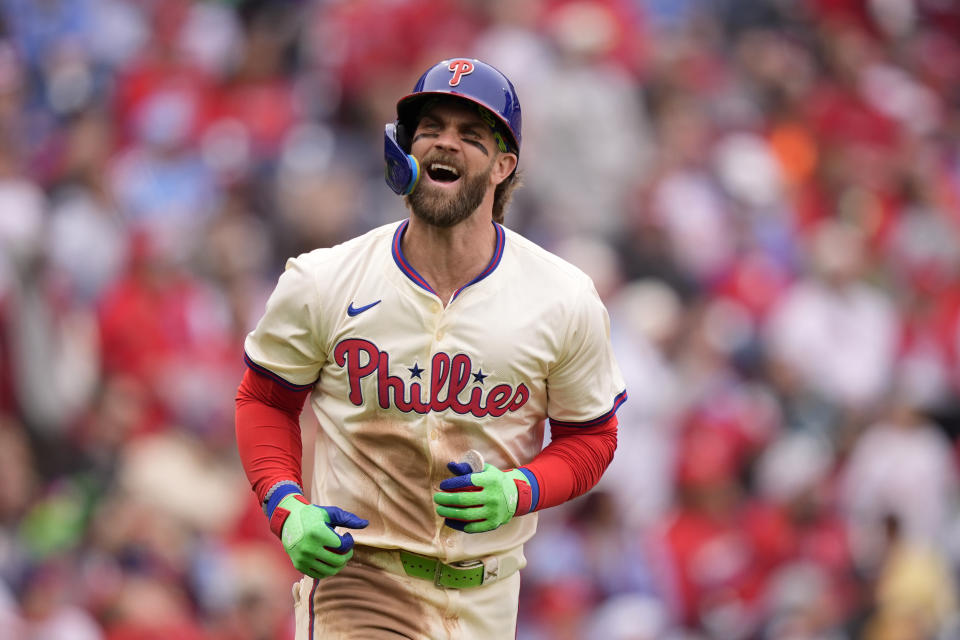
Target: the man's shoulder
pixel 539 264
pixel 355 250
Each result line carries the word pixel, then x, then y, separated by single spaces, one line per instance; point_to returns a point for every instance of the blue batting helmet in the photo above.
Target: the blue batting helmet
pixel 474 81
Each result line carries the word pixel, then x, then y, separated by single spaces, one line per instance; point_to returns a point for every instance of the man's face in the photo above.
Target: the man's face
pixel 457 152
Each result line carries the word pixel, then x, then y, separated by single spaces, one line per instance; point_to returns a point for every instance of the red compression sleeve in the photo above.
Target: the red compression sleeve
pixel 573 461
pixel 268 431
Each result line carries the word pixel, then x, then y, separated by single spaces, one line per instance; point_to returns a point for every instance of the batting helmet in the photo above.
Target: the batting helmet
pixel 465 78
pixel 472 80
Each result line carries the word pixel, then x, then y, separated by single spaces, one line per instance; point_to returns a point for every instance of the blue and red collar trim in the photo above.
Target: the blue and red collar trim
pixel 411 273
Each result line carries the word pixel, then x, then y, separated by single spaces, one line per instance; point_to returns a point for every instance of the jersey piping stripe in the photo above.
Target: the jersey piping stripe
pixel 270 374
pixel 619 400
pixel 401 261
pixel 313 608
pixel 497 254
pixel 411 273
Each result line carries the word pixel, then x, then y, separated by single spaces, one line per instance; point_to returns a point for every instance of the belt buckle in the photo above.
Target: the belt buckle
pixel 437 574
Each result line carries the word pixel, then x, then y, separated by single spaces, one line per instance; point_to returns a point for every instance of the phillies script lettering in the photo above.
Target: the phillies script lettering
pixel 449 379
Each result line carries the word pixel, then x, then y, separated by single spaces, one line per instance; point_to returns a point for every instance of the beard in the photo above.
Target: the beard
pixel 441 209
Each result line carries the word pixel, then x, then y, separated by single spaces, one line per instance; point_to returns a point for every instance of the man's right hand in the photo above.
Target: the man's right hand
pixel 310 540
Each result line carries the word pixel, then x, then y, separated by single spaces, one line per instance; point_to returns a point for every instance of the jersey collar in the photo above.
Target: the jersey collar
pixel 419 280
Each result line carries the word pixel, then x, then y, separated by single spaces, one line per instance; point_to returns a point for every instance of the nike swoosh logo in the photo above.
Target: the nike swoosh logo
pixel 355 311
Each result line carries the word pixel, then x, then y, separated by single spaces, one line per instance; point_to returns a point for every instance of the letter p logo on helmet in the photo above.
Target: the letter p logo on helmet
pixel 459 68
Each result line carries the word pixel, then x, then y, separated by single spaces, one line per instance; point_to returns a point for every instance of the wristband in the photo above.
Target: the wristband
pixel 277 493
pixel 532 491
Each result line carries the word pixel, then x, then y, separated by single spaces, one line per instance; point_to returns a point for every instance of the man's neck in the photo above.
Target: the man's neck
pixel 450 257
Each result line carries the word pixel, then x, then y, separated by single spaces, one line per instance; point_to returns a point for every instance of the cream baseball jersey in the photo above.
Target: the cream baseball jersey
pixel 403 384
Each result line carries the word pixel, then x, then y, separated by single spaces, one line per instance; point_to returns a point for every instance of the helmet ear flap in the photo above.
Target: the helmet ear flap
pixel 402 170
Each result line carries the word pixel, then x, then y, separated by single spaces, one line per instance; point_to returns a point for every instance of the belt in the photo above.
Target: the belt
pixel 461 575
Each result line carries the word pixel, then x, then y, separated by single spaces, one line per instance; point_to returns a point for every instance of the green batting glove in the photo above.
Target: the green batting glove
pixel 310 540
pixel 482 501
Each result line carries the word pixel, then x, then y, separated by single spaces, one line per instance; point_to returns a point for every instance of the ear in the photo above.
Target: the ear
pixel 503 166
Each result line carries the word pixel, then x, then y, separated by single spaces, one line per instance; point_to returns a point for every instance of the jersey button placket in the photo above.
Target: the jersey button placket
pixel 438 330
pixel 447 539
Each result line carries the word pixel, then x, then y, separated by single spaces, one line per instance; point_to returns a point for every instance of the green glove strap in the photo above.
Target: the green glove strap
pixel 510 488
pixel 486 500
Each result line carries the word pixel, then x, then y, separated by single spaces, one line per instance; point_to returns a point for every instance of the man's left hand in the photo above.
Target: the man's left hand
pixel 481 501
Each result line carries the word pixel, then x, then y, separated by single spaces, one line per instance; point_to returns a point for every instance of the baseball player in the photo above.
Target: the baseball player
pixel 433 351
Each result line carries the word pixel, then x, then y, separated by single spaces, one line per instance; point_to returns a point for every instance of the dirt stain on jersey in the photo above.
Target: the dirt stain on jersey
pixel 452 443
pixel 395 468
pixel 364 601
pixel 397 472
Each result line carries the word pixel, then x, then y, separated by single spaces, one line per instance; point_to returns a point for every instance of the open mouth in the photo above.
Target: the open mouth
pixel 443 173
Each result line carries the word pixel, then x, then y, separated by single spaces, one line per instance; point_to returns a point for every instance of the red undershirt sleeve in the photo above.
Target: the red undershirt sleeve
pixel 268 432
pixel 572 463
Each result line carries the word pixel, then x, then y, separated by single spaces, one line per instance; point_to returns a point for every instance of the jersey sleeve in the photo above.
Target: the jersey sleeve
pixel 286 343
pixel 585 386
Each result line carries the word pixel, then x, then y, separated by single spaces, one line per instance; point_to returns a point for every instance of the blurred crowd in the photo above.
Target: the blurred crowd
pixel 766 193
